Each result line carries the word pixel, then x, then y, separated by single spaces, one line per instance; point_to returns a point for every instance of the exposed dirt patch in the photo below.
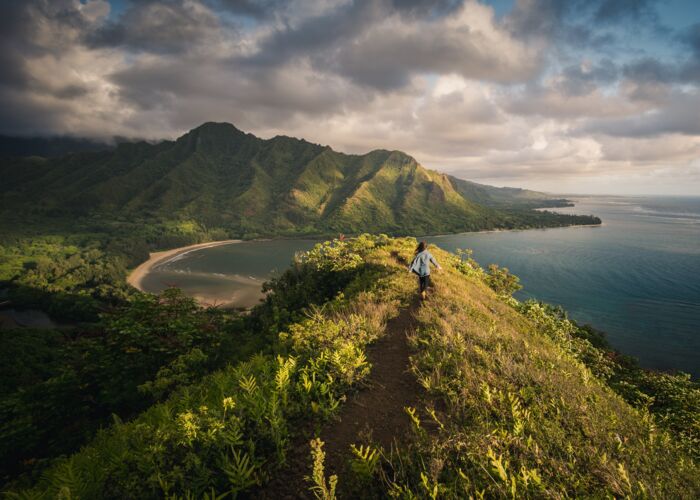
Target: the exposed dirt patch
pixel 373 414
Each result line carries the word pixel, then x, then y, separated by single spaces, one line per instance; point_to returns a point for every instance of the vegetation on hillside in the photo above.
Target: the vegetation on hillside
pixel 75 269
pixel 506 197
pixel 518 400
pixel 522 402
pixel 47 147
pixel 224 180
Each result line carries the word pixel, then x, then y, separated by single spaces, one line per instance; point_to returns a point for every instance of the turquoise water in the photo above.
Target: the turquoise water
pixel 227 274
pixel 637 277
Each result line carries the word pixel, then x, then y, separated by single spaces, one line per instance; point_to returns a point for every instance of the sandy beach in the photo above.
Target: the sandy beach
pixel 136 276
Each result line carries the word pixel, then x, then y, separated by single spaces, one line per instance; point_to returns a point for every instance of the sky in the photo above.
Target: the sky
pixel 565 96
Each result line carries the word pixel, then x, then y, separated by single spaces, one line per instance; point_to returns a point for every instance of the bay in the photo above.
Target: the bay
pixel 227 275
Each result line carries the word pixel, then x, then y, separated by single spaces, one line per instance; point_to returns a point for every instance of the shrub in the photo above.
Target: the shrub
pixel 501 281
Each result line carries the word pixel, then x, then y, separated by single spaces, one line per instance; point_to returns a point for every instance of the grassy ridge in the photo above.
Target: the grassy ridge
pixel 518 401
pixel 522 407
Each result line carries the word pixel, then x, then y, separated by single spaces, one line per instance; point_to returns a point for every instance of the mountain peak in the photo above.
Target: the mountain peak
pixel 215 126
pixel 209 129
pixel 213 136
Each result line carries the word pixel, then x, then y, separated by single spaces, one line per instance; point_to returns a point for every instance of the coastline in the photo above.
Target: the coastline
pixel 246 300
pixel 482 231
pixel 136 276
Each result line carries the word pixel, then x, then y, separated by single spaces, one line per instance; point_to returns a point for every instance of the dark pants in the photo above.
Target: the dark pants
pixel 423 282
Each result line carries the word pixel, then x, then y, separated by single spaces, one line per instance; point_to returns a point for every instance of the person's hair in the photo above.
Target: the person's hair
pixel 421 246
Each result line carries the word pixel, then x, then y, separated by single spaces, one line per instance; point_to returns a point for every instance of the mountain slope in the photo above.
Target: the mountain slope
pixel 505 197
pixel 48 146
pixel 219 176
pixel 508 400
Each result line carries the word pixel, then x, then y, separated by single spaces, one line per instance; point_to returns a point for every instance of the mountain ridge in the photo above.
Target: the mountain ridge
pixel 220 176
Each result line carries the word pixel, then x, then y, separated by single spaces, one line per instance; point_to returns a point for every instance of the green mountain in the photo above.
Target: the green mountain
pixel 48 146
pixel 220 177
pixel 506 197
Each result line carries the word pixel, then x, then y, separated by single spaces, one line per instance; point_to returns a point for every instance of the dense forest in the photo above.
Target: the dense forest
pixel 168 399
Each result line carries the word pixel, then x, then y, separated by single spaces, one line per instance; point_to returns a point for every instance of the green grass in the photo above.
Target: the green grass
pixel 518 401
pixel 230 431
pixel 515 411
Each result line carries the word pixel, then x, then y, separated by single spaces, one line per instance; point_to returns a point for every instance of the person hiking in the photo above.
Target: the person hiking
pixel 421 266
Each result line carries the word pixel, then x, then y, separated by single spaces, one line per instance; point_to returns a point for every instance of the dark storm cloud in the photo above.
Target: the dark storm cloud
pixel 686 70
pixel 427 7
pixel 265 9
pixel 20 42
pixel 264 95
pixel 691 36
pixel 18 21
pixel 382 44
pixel 649 69
pixel 564 23
pixel 388 60
pixel 315 34
pixel 13 41
pixel 690 71
pixel 161 27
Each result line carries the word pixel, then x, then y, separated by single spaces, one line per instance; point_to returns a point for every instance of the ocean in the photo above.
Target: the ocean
pixel 636 277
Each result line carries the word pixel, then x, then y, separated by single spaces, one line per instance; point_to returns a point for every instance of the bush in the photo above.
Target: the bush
pixel 501 281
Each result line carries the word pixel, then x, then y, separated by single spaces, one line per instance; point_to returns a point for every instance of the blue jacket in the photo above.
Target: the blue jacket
pixel 421 263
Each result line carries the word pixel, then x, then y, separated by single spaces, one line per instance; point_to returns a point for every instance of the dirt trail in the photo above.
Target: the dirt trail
pixel 373 414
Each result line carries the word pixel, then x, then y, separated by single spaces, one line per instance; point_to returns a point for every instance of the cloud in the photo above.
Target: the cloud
pixel 373 45
pixel 678 116
pixel 48 82
pixel 577 24
pixel 673 148
pixel 551 92
pixel 615 11
pixel 691 36
pixel 165 27
pixel 35 29
pixel 259 9
pixel 585 78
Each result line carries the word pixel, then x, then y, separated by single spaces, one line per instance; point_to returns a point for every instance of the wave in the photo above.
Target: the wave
pixel 666 213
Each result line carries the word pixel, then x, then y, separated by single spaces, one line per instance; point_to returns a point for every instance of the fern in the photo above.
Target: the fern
pixel 239 470
pixel 365 461
pixel 322 489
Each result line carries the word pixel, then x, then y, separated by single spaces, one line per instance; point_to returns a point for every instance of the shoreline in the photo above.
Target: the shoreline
pixel 135 277
pixel 484 231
